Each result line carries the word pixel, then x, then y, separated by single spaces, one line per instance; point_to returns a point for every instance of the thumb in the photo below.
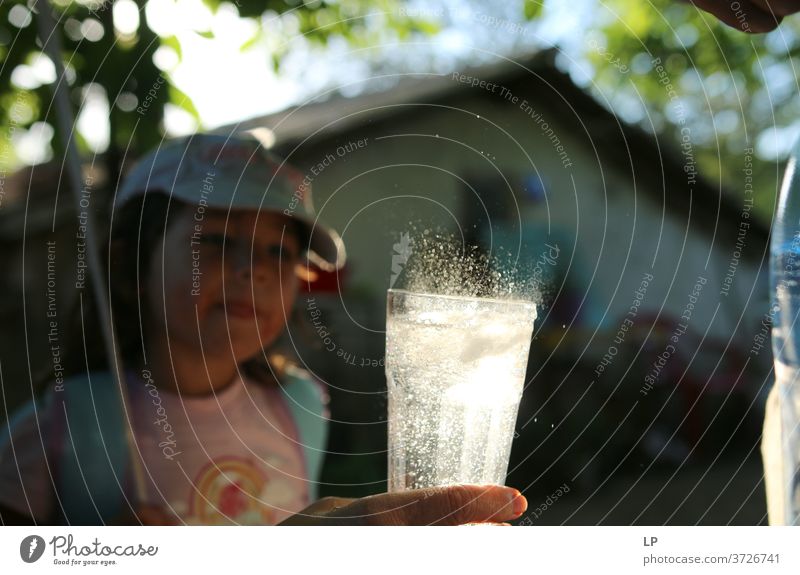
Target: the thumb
pixel 321 508
pixel 453 505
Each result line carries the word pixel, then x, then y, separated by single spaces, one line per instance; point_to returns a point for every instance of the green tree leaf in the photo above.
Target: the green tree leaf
pixel 532 8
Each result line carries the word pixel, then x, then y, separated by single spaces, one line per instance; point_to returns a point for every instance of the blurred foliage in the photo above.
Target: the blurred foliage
pixel 102 60
pixel 124 69
pixel 732 89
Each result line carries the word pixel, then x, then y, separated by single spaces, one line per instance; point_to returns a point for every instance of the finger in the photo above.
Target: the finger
pixel 454 505
pixel 476 504
pixel 743 15
pixel 317 511
pixel 328 504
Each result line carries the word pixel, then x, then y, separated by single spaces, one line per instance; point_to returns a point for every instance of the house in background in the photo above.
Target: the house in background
pixel 518 159
pixel 516 156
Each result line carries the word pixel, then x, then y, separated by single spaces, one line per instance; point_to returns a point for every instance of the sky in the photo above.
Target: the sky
pixel 227 85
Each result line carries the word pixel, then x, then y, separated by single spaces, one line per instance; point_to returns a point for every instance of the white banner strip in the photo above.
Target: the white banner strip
pixel 401 550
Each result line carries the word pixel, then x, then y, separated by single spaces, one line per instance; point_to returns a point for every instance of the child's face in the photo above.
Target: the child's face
pixel 227 283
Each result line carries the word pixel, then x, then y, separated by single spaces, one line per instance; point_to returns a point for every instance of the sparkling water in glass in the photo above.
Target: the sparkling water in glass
pixel 455 369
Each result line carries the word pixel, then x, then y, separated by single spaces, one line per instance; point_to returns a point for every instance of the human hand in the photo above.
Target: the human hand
pixel 454 505
pixel 753 16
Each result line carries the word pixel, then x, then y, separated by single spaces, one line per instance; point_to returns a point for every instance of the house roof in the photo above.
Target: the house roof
pixel 653 160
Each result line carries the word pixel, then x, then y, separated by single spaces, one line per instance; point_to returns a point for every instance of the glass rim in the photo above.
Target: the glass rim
pixel 512 302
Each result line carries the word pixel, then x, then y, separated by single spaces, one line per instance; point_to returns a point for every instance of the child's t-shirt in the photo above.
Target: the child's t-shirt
pixel 231 457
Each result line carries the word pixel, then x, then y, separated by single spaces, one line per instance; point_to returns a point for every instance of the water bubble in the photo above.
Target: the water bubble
pixel 441 264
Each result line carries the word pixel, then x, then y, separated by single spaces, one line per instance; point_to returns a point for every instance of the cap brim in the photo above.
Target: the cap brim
pixel 325 247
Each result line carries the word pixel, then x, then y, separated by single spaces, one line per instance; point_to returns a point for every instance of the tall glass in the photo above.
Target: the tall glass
pixel 455 369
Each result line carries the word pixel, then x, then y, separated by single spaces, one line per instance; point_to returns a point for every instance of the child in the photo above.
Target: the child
pixel 209 240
